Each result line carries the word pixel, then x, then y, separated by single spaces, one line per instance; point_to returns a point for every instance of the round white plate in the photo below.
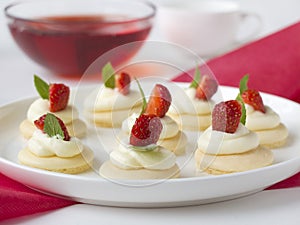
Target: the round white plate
pixel 191 189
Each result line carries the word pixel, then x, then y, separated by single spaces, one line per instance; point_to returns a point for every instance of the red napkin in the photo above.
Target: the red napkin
pixel 273 63
pixel 18 200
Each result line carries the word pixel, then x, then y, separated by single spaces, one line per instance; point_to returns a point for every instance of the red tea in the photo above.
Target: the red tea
pixel 70 46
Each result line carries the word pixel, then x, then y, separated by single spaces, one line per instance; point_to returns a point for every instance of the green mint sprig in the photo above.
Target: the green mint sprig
pixel 52 126
pixel 144 103
pixel 244 83
pixel 243 87
pixel 196 79
pixel 108 76
pixel 42 87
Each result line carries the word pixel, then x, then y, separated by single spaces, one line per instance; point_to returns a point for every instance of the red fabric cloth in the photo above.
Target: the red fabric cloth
pixel 274 66
pixel 18 200
pixel 273 63
pixel 293 181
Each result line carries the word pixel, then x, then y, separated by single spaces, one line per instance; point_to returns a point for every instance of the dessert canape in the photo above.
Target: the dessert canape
pixel 200 93
pixel 112 103
pixel 228 146
pixel 51 148
pixel 142 158
pixel 54 98
pixel 262 119
pixel 171 137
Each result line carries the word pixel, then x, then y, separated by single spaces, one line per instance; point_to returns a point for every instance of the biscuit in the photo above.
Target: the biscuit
pixel 70 165
pixel 273 138
pixel 223 164
pixel 110 171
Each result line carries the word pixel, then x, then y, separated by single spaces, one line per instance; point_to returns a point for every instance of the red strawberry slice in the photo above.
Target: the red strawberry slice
pixel 253 98
pixel 58 97
pixel 207 88
pixel 159 102
pixel 123 83
pixel 146 130
pixel 39 123
pixel 226 116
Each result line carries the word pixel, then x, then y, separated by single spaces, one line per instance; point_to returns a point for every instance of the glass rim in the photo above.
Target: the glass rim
pixel 49 22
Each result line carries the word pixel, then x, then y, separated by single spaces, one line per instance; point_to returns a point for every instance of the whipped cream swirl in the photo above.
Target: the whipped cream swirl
pixel 41 106
pixel 158 159
pixel 221 143
pixel 256 120
pixel 195 107
pixel 42 145
pixel 108 99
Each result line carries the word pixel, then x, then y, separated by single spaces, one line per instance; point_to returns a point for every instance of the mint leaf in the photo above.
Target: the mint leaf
pixel 144 105
pixel 243 87
pixel 108 76
pixel 52 126
pixel 197 76
pixel 243 117
pixel 42 87
pixel 243 83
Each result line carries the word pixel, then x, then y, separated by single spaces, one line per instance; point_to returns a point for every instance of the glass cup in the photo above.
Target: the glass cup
pixel 65 36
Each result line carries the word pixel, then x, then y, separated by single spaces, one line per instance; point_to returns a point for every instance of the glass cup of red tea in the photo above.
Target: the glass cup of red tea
pixel 66 36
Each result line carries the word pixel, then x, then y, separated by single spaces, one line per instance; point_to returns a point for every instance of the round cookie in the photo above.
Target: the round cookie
pixel 273 138
pixel 110 171
pixel 76 129
pixel 72 165
pixel 223 164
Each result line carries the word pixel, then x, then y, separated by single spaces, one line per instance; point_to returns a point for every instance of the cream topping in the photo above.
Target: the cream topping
pixel 126 158
pixel 195 107
pixel 256 120
pixel 170 127
pixel 42 145
pixel 41 106
pixel 221 143
pixel 107 99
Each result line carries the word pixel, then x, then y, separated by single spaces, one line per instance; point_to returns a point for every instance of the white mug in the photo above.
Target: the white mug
pixel 207 27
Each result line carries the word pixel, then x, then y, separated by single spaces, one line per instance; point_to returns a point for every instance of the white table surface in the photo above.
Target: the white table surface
pixel 267 207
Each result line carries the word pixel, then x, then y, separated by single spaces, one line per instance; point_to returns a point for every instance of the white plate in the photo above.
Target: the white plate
pixel 89 187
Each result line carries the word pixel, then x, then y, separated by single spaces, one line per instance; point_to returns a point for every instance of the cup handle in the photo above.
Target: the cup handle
pixel 245 16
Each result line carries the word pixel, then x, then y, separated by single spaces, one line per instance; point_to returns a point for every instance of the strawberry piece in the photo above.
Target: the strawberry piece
pixel 207 88
pixel 146 130
pixel 253 98
pixel 226 116
pixel 58 97
pixel 123 83
pixel 40 122
pixel 159 102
